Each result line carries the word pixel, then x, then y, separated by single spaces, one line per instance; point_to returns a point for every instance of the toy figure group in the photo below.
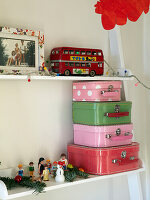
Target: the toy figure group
pixel 44 167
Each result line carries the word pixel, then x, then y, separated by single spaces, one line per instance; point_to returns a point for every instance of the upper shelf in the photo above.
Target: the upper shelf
pixel 66 78
pixel 52 185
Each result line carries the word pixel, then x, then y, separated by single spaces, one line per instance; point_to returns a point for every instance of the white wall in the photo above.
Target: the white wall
pixel 147 97
pixel 35 117
pixel 40 110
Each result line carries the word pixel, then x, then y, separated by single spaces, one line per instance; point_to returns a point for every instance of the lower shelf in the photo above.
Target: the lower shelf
pixel 52 185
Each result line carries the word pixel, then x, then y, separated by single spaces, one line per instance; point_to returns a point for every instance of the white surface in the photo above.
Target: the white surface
pixel 52 185
pixel 23 77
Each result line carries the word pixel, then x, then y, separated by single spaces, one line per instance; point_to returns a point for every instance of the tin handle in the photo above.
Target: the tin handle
pixel 119 114
pixel 122 137
pixel 109 94
pixel 124 161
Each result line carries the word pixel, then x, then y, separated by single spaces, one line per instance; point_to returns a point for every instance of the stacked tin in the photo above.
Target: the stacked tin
pixel 102 129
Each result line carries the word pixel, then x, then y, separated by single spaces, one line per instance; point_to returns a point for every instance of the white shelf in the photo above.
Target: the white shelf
pixel 52 185
pixel 68 78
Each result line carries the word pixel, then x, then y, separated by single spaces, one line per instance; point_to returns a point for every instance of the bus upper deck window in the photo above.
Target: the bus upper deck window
pixel 53 52
pixel 88 64
pixel 71 52
pixel 94 53
pixel 77 52
pixel 99 53
pixel 71 64
pixel 82 52
pixel 88 52
pixel 82 64
pixel 77 64
pixel 57 52
pixel 65 51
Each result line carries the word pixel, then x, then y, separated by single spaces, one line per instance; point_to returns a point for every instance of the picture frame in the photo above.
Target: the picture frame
pixel 21 51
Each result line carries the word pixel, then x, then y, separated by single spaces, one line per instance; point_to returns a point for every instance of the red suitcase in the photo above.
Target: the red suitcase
pixel 103 161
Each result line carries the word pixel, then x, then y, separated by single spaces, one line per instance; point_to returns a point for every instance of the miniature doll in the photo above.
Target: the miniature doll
pixel 64 161
pixel 48 164
pixel 20 171
pixel 41 166
pixel 54 168
pixel 31 169
pixel 46 174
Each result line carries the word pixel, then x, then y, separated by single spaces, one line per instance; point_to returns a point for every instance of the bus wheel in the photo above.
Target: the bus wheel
pixel 67 72
pixel 92 73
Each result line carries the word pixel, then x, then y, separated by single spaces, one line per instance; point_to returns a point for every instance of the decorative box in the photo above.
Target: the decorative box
pixel 97 91
pixel 103 161
pixel 102 113
pixel 103 136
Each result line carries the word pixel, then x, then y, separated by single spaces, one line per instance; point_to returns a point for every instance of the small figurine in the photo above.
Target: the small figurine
pixel 54 167
pixel 46 174
pixel 41 166
pixel 64 161
pixel 60 178
pixel 48 164
pixel 21 170
pixel 31 169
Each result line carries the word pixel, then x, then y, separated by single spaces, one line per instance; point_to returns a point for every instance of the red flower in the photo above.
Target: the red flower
pixel 118 11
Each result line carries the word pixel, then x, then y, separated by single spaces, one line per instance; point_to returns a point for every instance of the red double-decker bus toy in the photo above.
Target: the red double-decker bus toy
pixel 77 61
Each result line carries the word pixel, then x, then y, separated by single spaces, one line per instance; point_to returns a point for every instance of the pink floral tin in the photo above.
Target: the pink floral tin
pixel 103 136
pixel 97 91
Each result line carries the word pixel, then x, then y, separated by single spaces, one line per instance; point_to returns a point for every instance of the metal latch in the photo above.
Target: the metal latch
pixel 123 154
pixel 114 160
pixel 118 131
pixel 127 133
pixel 132 158
pixel 110 87
pixel 117 108
pixel 108 136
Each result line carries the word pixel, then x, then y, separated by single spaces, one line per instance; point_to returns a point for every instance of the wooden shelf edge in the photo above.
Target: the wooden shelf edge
pixel 69 78
pixel 55 185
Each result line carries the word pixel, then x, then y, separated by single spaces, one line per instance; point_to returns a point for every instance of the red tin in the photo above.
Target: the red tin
pixel 103 161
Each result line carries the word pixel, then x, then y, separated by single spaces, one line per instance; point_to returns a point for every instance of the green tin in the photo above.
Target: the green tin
pixel 102 113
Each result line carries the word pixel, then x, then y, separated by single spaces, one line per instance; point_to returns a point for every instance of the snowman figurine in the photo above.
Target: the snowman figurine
pixel 60 178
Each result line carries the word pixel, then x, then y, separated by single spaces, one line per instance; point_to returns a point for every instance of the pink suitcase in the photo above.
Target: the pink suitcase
pixel 103 136
pixel 97 91
pixel 103 161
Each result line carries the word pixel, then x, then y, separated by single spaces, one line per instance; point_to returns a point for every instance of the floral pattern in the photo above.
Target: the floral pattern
pixel 27 32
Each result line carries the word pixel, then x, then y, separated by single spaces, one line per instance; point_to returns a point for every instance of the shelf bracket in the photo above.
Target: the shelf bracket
pixel 116 56
pixel 134 184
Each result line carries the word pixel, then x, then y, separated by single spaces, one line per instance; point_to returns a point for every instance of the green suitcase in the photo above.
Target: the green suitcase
pixel 102 113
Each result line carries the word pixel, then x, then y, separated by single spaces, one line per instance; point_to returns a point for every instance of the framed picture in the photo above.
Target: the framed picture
pixel 21 50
